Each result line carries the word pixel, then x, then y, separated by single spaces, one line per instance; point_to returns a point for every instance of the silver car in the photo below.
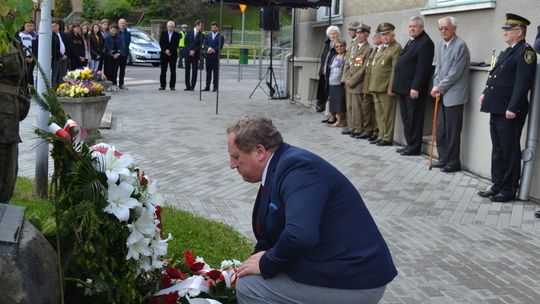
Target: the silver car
pixel 143 48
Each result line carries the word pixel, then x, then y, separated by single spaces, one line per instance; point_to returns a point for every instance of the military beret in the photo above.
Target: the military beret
pixel 385 27
pixel 513 20
pixel 363 28
pixel 353 25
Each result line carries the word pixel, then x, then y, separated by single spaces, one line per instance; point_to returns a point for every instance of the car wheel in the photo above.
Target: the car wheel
pixel 130 60
pixel 156 64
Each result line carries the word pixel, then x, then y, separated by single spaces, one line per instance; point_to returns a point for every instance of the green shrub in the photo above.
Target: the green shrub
pixel 115 9
pixel 62 8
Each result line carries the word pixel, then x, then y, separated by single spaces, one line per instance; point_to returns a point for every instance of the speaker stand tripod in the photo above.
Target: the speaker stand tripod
pixel 272 78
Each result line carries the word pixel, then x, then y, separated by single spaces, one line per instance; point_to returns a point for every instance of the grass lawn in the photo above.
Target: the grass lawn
pixel 209 239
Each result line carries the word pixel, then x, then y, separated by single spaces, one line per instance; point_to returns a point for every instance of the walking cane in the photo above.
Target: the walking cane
pixel 434 129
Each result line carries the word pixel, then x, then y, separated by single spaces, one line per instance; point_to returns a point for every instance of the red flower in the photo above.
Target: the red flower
pixel 144 180
pixel 189 259
pixel 175 273
pixel 214 274
pixel 170 298
pixel 166 281
pixel 197 267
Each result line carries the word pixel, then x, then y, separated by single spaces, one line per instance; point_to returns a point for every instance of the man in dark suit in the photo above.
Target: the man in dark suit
pixel 315 236
pixel 506 99
pixel 124 36
pixel 213 43
pixel 411 83
pixel 59 51
pixel 168 42
pixel 194 40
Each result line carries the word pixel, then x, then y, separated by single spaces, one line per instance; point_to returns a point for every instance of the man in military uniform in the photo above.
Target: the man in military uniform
pixel 353 77
pixel 380 84
pixel 14 106
pixel 351 30
pixel 369 125
pixel 505 97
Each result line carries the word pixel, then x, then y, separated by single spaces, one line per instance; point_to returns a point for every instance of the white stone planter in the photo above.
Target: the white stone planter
pixel 87 111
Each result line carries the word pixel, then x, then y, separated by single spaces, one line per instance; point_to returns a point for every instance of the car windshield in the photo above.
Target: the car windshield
pixel 140 37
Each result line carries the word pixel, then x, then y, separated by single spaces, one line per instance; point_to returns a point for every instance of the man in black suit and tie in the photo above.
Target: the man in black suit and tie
pixel 213 44
pixel 168 41
pixel 194 40
pixel 506 99
pixel 411 83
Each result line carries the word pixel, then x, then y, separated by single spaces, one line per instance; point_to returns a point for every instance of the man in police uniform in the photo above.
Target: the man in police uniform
pixel 380 84
pixel 353 77
pixel 181 46
pixel 505 97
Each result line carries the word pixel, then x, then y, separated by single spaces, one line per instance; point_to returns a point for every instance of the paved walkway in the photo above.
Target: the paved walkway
pixel 450 245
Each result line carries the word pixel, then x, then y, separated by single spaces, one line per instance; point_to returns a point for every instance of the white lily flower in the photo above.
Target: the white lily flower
pixel 159 247
pixel 145 223
pixel 120 200
pixel 116 166
pixel 237 263
pixel 226 264
pixel 137 245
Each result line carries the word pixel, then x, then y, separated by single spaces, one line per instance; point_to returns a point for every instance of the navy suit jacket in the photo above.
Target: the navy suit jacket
pixel 510 80
pixel 172 45
pixel 314 226
pixel 216 44
pixel 414 66
pixel 193 44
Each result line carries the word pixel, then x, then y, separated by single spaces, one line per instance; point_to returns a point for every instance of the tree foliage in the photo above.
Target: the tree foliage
pixel 115 9
pixel 62 8
pixel 91 9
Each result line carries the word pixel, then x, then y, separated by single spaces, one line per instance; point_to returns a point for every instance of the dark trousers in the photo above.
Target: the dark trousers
pixel 412 116
pixel 101 62
pixel 181 57
pixel 9 154
pixel 122 65
pixel 322 92
pixel 59 69
pixel 506 152
pixel 192 65
pixel 212 68
pixel 449 124
pixel 30 72
pixel 111 69
pixel 169 61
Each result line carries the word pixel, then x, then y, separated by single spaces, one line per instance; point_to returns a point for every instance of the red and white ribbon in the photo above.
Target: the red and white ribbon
pixel 59 132
pixel 77 132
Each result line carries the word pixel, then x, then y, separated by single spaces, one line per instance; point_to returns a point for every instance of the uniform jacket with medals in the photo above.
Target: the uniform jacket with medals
pixel 354 69
pixel 382 70
pixel 510 80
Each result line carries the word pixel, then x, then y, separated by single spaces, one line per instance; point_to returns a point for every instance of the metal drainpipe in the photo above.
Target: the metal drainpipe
pixel 528 154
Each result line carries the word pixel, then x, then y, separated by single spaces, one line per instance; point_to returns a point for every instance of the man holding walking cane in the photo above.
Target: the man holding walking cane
pixel 451 82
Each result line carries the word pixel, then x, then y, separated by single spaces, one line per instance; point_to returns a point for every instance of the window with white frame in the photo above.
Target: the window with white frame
pixel 450 6
pixel 323 13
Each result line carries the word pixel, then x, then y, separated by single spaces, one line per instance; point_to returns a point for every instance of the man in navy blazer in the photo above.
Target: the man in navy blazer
pixel 315 236
pixel 213 43
pixel 505 97
pixel 168 42
pixel 411 83
pixel 194 40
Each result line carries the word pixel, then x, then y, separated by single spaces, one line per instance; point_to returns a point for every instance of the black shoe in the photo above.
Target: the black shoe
pixel 346 132
pixel 319 108
pixel 537 214
pixel 161 89
pixel 438 165
pixel 188 89
pixel 376 141
pixel 214 90
pixel 409 153
pixel 399 150
pixel 384 143
pixel 372 137
pixel 355 135
pixel 487 193
pixel 363 136
pixel 173 89
pixel 325 120
pixel 503 198
pixel 180 66
pixel 450 169
pixel 206 89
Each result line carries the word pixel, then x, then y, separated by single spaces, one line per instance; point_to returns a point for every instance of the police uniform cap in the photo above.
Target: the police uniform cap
pixel 363 28
pixel 184 26
pixel 353 25
pixel 385 27
pixel 513 20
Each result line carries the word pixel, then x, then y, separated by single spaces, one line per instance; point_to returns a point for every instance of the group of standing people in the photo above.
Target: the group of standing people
pixel 193 45
pixel 366 83
pixel 97 45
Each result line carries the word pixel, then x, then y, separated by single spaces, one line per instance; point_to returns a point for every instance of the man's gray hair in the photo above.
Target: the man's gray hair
pixel 171 22
pixel 252 130
pixel 418 20
pixel 452 20
pixel 333 28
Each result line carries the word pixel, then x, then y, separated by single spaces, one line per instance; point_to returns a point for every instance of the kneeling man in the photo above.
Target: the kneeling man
pixel 316 240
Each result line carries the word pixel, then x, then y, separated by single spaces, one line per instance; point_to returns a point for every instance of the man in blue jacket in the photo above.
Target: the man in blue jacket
pixel 316 240
pixel 213 43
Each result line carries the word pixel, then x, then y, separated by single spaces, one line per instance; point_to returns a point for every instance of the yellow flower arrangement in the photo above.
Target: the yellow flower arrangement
pixel 79 89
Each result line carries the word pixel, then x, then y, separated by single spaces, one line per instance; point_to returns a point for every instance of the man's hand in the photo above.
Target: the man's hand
pixel 435 91
pixel 192 53
pixel 64 57
pixel 414 94
pixel 167 52
pixel 481 99
pixel 510 115
pixel 251 265
pixel 390 93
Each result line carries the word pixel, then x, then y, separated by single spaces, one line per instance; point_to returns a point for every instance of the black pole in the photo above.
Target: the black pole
pixel 218 74
pixel 293 52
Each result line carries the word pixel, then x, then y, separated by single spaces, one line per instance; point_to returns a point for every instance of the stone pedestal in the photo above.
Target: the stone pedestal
pixel 28 270
pixel 87 111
